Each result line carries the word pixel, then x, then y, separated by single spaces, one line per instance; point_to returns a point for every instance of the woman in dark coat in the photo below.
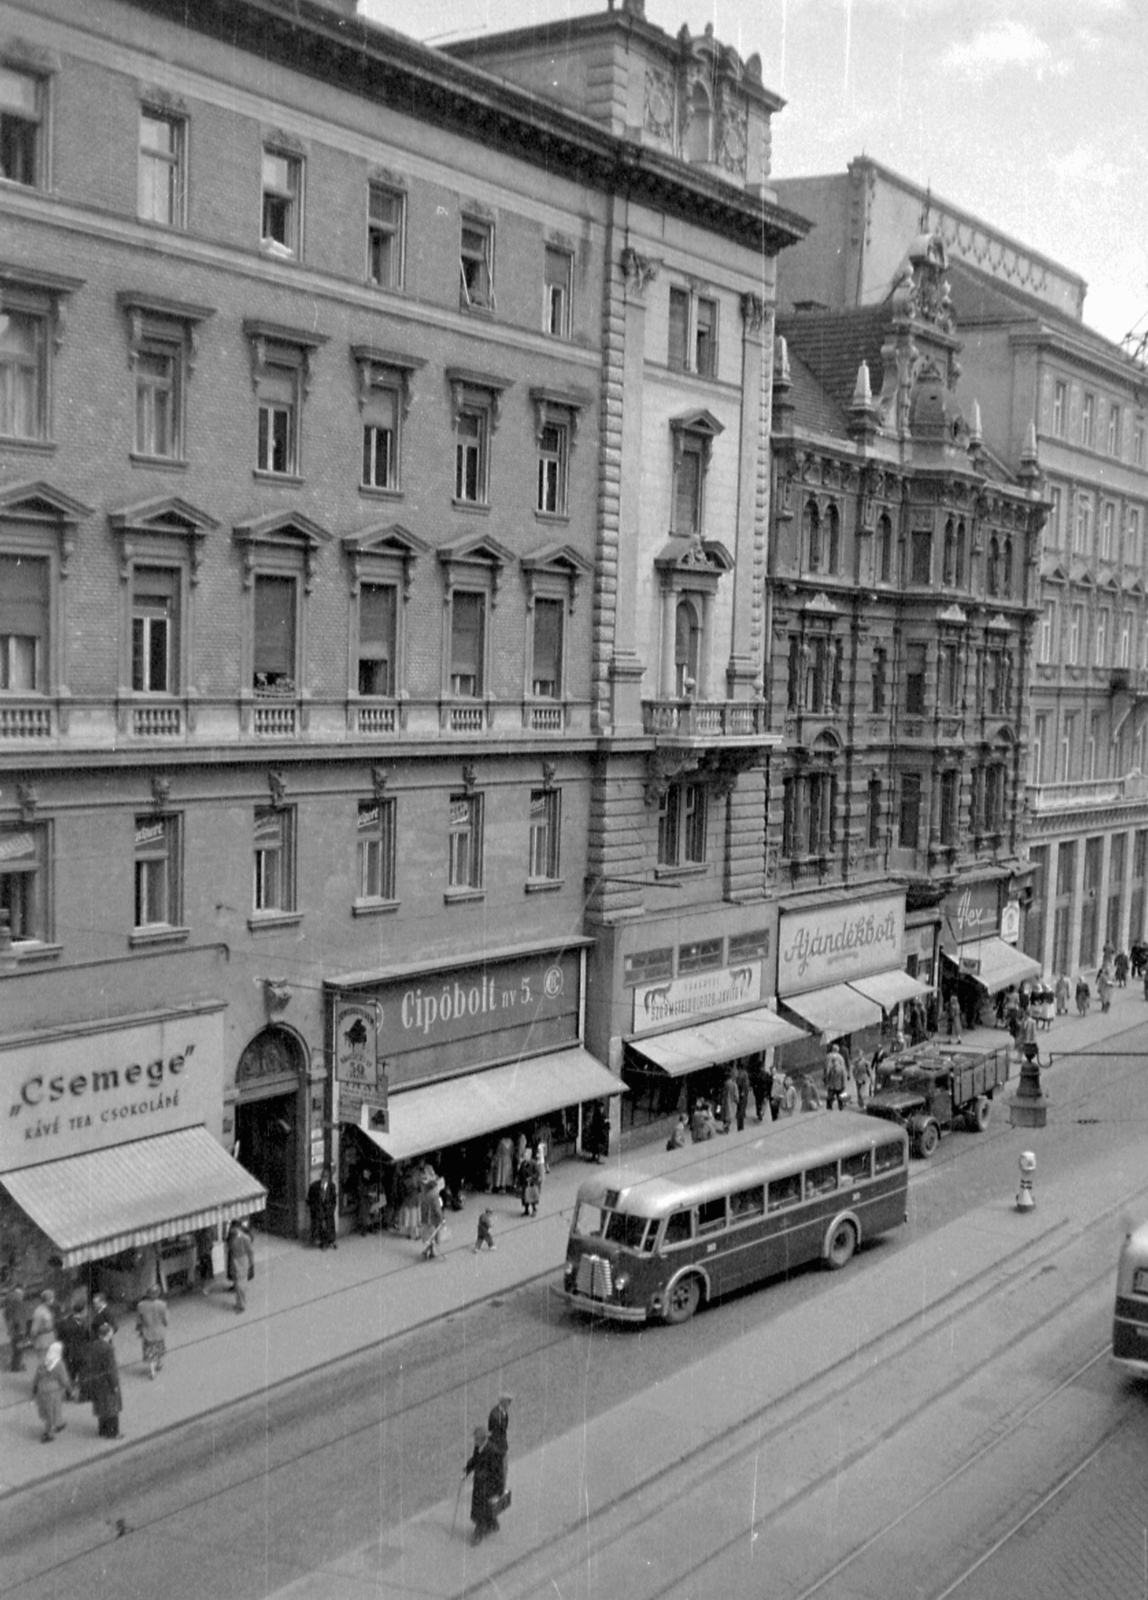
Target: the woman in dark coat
pixel 104 1384
pixel 485 1489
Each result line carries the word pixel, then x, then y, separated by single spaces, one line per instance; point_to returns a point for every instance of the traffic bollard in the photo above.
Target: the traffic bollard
pixel 1024 1199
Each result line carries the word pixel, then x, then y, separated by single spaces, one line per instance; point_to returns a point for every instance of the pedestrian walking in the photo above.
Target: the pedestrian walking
pixel 51 1383
pixel 73 1334
pixel 151 1325
pixel 955 1018
pixel 1062 992
pixel 1104 988
pixel 240 1262
pixel 434 1222
pixel 728 1099
pixel 497 1426
pixel 597 1140
pixel 741 1078
pixel 1084 994
pixel 863 1078
pixel 810 1099
pixel 104 1384
pixel 42 1328
pixel 204 1259
pixel 322 1206
pixel 1120 967
pixel 530 1185
pixel 15 1325
pixel 485 1235
pixel 99 1317
pixel 483 1462
pixel 761 1086
pixel 835 1079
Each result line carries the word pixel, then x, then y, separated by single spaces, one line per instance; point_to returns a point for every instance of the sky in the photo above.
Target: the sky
pixel 1028 113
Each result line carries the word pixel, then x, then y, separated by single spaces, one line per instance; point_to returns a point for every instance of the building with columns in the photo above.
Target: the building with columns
pixel 1036 373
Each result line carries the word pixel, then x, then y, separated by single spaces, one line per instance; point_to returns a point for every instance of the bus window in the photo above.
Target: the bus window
pixel 746 1203
pixel 821 1180
pixel 589 1220
pixel 1140 1281
pixel 627 1230
pixel 854 1168
pixel 785 1192
pixel 711 1215
pixel 680 1227
pixel 888 1157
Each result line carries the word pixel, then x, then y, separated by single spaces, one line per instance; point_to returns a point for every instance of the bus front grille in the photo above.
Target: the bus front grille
pixel 595 1277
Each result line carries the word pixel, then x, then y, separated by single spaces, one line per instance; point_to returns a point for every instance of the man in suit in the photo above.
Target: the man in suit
pixel 322 1203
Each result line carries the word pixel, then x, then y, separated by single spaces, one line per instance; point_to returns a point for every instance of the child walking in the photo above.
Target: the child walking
pixel 485 1234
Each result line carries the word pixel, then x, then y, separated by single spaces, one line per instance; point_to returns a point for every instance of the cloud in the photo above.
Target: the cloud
pixel 1086 162
pixel 1004 45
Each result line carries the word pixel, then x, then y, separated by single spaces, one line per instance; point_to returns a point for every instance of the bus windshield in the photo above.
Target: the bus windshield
pixel 619 1227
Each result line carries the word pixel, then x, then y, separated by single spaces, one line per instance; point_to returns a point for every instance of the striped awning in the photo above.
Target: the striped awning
pixel 835 1010
pixel 710 1044
pixel 96 1204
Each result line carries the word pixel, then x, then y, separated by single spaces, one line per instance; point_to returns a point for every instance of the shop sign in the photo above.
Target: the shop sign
pixel 657 1005
pixel 86 1089
pixel 971 913
pixel 1010 922
pixel 439 1024
pixel 832 944
pixel 361 1078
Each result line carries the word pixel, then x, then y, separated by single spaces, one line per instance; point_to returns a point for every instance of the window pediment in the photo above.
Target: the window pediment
pixel 560 563
pixel 165 518
pixel 48 283
pixel 39 502
pixel 282 531
pixel 481 557
pixel 467 382
pixel 699 558
pixel 393 548
pixel 701 421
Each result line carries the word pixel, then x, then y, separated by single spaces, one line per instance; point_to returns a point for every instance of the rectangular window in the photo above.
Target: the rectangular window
pixel 274 644
pixel 24 882
pixel 1113 430
pixel 1132 543
pixel 378 623
pixel 1059 409
pixel 24 348
pixel 909 823
pixel 1138 453
pixel 471 433
pixel 375 849
pixel 157 872
pixel 274 859
pixel 278 435
pixel 545 819
pixel 679 329
pixel 915 670
pixel 386 213
pixel 155 620
pixel 24 615
pixel 688 481
pixel 1100 639
pixel 682 825
pixel 1125 639
pixel 1039 743
pixel 467 644
pixel 557 278
pixel 161 171
pixel 1088 421
pixel 950 676
pixel 1056 513
pixel 1067 749
pixel 380 441
pixel 1047 632
pixel 1082 532
pixel 705 337
pixel 700 955
pixel 1075 630
pixel 546 674
pixel 22 97
pixel 873 828
pixel 282 202
pixel 950 802
pixel 158 374
pixel 476 265
pixel 922 557
pixel 552 452
pixel 1107 528
pixel 465 865
pixel 880 671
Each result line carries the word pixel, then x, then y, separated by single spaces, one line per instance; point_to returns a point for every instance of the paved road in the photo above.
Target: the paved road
pixel 335 1486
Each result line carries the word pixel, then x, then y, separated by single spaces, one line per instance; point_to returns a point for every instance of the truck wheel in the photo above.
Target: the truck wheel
pixel 842 1243
pixel 683 1300
pixel 981 1113
pixel 927 1140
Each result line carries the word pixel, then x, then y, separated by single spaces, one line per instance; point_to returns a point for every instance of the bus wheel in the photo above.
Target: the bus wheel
pixel 928 1140
pixel 842 1243
pixel 683 1300
pixel 981 1113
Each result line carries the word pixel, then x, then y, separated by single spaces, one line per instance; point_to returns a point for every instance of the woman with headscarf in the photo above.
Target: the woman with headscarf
pixel 51 1383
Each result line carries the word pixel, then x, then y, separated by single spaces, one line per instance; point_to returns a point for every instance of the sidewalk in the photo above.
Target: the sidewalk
pixel 378 1286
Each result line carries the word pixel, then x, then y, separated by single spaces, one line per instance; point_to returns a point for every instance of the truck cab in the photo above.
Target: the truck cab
pixel 929 1091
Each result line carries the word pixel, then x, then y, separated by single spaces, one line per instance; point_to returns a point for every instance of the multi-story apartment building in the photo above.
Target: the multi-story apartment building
pixel 903 592
pixel 1036 368
pixel 383 489
pixel 677 892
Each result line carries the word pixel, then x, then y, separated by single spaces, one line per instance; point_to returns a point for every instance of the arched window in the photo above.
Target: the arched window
pixel 959 557
pixel 687 642
pixel 812 532
pixel 1006 569
pixel 834 518
pixel 992 570
pixel 949 555
pixel 699 134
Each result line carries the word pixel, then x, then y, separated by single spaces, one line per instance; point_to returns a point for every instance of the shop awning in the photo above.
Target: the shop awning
pixel 994 964
pixel 441 1114
pixel 890 988
pixel 96 1204
pixel 710 1043
pixel 836 1010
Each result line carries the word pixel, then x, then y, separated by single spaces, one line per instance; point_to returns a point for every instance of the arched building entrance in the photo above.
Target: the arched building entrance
pixel 269 1115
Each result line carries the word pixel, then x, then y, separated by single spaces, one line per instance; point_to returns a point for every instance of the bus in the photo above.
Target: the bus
pixel 1130 1319
pixel 661 1239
